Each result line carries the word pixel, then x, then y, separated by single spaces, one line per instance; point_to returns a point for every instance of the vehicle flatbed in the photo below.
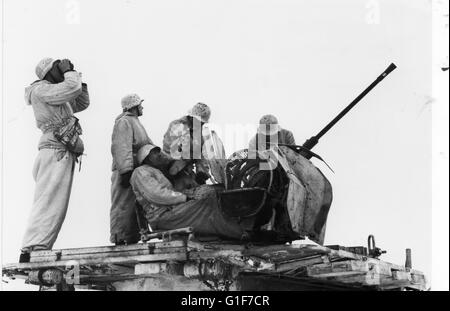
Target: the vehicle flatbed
pixel 188 264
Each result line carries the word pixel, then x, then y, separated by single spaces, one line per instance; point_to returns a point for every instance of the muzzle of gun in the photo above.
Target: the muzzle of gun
pixel 314 140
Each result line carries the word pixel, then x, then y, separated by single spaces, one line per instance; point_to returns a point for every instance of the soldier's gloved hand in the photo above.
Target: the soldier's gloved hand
pixel 204 191
pixel 125 179
pixel 190 194
pixel 202 177
pixel 65 65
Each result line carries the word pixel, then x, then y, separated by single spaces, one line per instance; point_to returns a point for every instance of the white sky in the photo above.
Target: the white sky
pixel 303 61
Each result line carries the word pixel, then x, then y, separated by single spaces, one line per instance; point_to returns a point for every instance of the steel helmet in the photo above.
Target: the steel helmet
pixel 131 100
pixel 201 111
pixel 144 151
pixel 268 125
pixel 43 67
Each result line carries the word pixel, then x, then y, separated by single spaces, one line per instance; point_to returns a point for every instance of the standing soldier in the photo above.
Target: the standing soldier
pixel 127 138
pixel 55 97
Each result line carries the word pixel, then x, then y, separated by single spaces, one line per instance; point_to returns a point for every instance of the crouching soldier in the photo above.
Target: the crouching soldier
pixel 181 203
pixel 127 138
pixel 55 97
pixel 270 132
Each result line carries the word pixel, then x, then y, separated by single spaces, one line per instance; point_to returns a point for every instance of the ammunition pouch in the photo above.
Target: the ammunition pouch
pixel 67 133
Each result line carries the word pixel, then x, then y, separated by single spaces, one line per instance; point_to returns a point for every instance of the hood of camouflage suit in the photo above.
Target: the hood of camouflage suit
pixel 29 90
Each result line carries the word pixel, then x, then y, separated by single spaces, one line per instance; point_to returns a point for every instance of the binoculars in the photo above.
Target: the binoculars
pixel 58 62
pixel 56 73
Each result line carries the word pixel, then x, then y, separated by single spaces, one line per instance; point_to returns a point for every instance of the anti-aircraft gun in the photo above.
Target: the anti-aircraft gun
pixel 252 193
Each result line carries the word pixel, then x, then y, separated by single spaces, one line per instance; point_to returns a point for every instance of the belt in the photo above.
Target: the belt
pixel 55 147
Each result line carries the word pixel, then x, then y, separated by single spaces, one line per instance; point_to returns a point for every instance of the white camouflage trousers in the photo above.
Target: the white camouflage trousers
pixel 53 179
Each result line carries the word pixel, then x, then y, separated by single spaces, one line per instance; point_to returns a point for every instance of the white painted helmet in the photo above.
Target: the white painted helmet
pixel 43 67
pixel 268 125
pixel 131 100
pixel 201 111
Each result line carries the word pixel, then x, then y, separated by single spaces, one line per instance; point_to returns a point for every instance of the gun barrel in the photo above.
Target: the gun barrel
pixel 385 73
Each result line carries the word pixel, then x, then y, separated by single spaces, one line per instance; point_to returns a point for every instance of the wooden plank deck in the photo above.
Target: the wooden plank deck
pixel 185 258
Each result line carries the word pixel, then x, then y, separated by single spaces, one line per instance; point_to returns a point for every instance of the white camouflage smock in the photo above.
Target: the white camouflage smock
pixel 54 166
